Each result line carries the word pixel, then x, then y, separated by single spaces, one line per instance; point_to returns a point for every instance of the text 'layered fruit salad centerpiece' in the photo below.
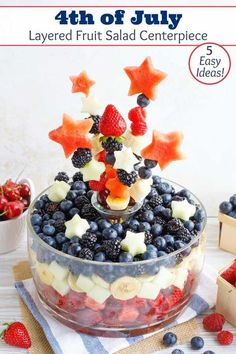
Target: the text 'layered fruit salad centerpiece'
pixel 116 251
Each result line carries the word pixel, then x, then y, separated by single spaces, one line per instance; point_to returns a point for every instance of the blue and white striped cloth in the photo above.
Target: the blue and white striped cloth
pixel 64 340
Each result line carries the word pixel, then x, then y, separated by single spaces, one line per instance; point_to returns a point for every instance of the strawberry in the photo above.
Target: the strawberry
pixel 98 186
pixel 175 296
pixel 89 317
pixel 225 337
pixel 17 335
pixel 111 122
pixel 213 322
pixel 137 114
pixel 72 302
pixel 139 128
pixel 93 305
pixel 128 314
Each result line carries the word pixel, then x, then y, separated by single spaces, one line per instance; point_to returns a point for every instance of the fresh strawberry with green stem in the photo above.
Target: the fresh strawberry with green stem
pixel 16 335
pixel 112 123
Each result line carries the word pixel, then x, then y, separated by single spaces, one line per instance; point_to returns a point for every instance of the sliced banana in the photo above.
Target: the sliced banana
pixel 99 281
pixel 44 273
pixel 125 288
pixel 72 279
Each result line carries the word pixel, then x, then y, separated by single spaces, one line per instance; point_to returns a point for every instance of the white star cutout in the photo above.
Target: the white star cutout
pixel 125 159
pixel 136 142
pixel 76 226
pixel 58 191
pixel 90 105
pixel 140 189
pixel 182 209
pixel 134 243
pixel 92 170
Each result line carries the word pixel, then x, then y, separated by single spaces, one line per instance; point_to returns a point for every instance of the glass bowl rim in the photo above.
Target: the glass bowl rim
pixel 127 264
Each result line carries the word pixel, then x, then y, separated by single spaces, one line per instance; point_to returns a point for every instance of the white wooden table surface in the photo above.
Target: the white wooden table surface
pixel 10 310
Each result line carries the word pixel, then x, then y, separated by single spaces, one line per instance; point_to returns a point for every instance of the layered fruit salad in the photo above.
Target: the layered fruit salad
pixel 97 273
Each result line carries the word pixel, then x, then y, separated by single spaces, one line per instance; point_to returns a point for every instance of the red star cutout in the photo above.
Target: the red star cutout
pixel 144 79
pixel 164 148
pixel 81 83
pixel 72 134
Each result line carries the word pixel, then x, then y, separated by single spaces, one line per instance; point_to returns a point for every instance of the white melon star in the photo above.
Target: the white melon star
pixel 90 105
pixel 140 189
pixel 97 146
pixel 134 243
pixel 58 191
pixel 182 209
pixel 136 142
pixel 125 159
pixel 76 226
pixel 92 170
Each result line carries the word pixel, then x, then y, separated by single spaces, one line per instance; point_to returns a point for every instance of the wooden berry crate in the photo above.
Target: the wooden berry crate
pixel 227 236
pixel 226 298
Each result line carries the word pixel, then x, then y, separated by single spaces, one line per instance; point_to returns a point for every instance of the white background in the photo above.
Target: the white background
pixel 35 91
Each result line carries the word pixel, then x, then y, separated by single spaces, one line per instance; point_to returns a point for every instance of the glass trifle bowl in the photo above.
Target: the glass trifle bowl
pixel 133 297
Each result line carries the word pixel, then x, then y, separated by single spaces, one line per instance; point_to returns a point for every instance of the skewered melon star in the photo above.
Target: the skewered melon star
pixel 125 159
pixel 182 209
pixel 81 83
pixel 134 243
pixel 92 170
pixel 90 105
pixel 76 226
pixel 58 191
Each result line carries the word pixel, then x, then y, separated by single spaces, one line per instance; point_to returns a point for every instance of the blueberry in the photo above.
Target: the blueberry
pixel 156 230
pixel 177 351
pixel 154 269
pixel 147 215
pixel 166 213
pixel 125 257
pixel 71 195
pixel 87 270
pixel 50 241
pixel 37 229
pixel 74 267
pixel 36 219
pixel 226 207
pixel 164 188
pixel 74 249
pixel 93 226
pixel 167 198
pixel 144 172
pixel 209 352
pixel 61 238
pixel 158 210
pixel 189 225
pixel 169 339
pixel 79 185
pixel 75 239
pixel 65 246
pixel 161 254
pixel 134 225
pixel 151 248
pixel 184 193
pixel 89 194
pixel 150 163
pixel 199 216
pixel 97 247
pixel 179 244
pixel 233 200
pixel 197 343
pixel 199 226
pixel 99 257
pixel 81 192
pixel 58 215
pixel 49 230
pixel 39 204
pixel 103 224
pixel 170 240
pixel 232 214
pixel 160 243
pixel 144 226
pixel 41 235
pixel 142 100
pixel 110 158
pixel 66 205
pixel 149 255
pixel 109 234
pixel 49 222
pixel 119 228
pixel 46 217
pixel 156 179
pixel 72 212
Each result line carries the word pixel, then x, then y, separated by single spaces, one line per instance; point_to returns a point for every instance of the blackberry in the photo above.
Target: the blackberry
pixel 111 248
pixel 96 120
pixel 178 198
pixel 169 249
pixel 86 253
pixel 60 225
pixel 111 145
pixel 62 176
pixel 88 212
pixel 148 238
pixel 184 235
pixel 159 220
pixel 127 178
pixel 51 207
pixel 174 225
pixel 77 177
pixel 81 157
pixel 155 201
pixel 80 201
pixel 88 240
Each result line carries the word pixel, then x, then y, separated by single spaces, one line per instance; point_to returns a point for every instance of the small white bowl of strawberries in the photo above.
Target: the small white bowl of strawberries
pixel 15 198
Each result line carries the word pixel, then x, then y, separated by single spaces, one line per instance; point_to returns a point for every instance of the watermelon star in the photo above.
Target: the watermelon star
pixel 81 83
pixel 164 148
pixel 144 79
pixel 72 134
